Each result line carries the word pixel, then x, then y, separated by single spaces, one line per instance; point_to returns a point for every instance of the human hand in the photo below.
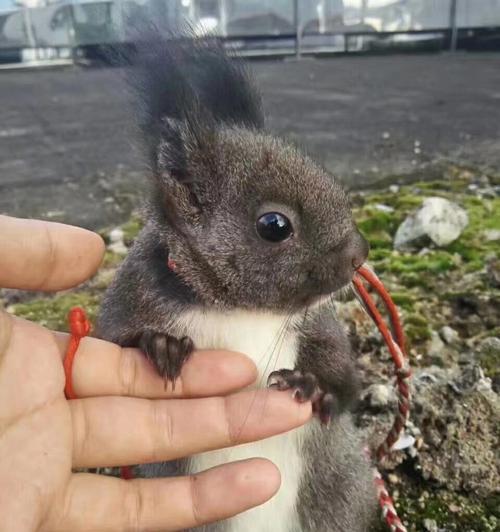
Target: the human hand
pixel 123 415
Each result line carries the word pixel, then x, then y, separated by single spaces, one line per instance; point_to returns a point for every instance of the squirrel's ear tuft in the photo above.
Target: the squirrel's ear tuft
pixel 190 80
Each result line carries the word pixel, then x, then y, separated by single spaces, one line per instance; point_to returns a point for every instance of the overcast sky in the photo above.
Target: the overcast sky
pixel 4 4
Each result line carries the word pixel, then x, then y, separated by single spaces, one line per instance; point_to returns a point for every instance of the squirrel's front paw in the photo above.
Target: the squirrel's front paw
pixel 305 387
pixel 167 353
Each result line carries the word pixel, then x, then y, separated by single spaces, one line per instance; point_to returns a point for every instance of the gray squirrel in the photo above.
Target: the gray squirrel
pixel 261 237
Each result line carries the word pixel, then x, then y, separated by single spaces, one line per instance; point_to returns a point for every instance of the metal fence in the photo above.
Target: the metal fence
pixel 301 24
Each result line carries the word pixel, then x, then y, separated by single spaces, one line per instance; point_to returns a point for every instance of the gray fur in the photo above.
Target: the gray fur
pixel 212 177
pixel 336 493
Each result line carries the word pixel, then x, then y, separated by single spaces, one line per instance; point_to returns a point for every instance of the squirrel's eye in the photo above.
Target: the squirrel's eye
pixel 274 227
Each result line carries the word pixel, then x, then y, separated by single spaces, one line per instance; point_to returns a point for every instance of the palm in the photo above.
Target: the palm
pixel 40 436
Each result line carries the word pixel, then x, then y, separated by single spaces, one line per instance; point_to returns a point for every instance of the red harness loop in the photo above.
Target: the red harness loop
pixel 396 346
pixel 80 327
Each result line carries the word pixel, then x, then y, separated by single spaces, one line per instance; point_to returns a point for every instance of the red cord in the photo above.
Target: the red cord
pixel 79 327
pixel 403 374
pixel 376 283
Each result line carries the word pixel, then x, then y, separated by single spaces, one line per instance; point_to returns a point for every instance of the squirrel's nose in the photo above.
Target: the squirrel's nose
pixel 355 251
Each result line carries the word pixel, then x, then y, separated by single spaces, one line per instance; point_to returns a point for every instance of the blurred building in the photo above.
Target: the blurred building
pixel 60 27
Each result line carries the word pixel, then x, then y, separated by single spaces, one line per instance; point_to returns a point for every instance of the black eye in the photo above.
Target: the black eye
pixel 274 227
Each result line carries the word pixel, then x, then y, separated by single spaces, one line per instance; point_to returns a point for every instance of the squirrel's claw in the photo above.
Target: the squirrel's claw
pixel 167 353
pixel 305 387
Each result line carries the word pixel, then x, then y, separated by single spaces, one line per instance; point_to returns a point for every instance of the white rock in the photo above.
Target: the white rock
pixel 394 189
pixel 379 395
pixel 117 245
pixel 403 442
pixel 484 385
pixel 449 335
pixel 384 208
pixel 492 234
pixel 437 218
pixel 430 525
pixel 116 235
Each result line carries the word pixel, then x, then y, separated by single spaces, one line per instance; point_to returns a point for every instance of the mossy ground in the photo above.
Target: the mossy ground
pixel 452 512
pixel 424 284
pixel 52 312
pixel 426 288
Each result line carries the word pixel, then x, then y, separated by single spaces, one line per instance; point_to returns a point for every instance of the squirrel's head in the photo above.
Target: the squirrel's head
pixel 252 222
pixel 249 220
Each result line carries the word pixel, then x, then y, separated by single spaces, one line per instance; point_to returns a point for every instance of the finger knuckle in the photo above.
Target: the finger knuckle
pixel 81 430
pixel 134 505
pixel 231 431
pixel 127 372
pixel 162 429
pixel 194 483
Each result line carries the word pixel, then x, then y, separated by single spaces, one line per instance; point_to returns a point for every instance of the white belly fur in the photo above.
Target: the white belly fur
pixel 271 344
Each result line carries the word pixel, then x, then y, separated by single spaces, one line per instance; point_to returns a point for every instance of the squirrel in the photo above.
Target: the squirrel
pixel 258 237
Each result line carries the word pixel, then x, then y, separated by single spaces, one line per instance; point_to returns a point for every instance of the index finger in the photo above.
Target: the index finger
pixel 102 368
pixel 48 256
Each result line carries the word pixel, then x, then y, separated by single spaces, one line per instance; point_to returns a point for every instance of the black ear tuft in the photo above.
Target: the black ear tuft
pixel 179 78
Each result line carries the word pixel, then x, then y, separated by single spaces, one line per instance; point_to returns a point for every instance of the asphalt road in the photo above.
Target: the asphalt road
pixel 67 140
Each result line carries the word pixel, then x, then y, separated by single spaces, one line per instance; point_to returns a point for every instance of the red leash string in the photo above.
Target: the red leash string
pixel 403 373
pixel 80 327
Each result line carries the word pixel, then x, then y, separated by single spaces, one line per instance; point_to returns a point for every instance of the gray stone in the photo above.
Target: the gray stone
pixel 430 525
pixel 449 335
pixel 380 395
pixel 437 219
pixel 490 346
pixel 436 346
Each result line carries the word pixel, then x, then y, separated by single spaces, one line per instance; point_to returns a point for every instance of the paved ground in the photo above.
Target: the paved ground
pixel 66 139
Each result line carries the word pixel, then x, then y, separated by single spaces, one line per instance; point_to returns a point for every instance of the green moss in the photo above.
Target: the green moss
pixel 433 262
pixel 378 253
pixel 403 299
pixel 490 362
pixel 111 260
pixel 131 229
pixel 452 511
pixel 467 253
pixel 417 328
pixel 376 221
pixel 415 280
pixel 52 312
